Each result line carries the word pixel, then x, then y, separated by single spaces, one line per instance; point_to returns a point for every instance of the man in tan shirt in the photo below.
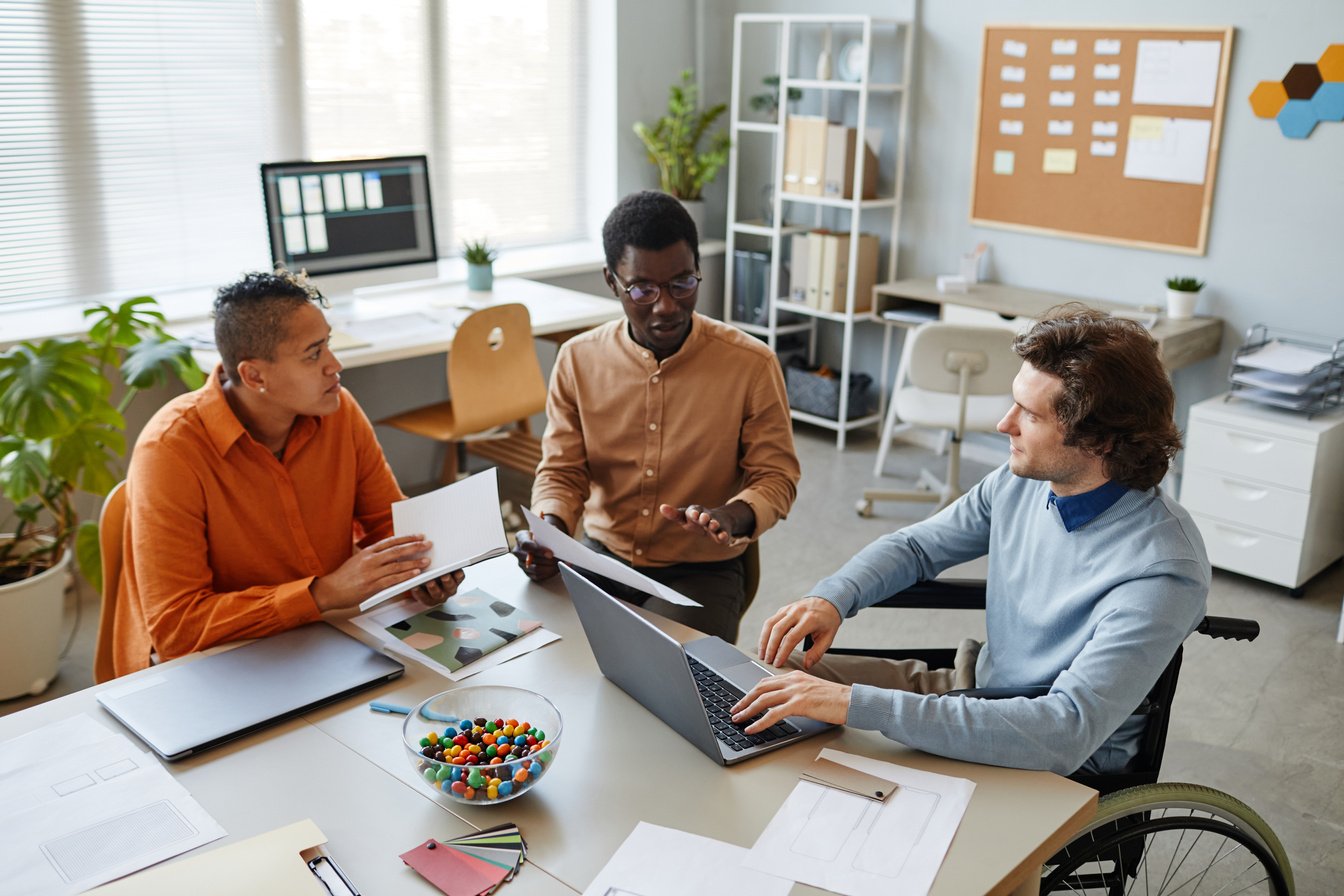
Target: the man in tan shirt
pixel 668 431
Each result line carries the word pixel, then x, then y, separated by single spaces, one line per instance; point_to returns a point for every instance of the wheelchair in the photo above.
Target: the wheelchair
pixel 1148 836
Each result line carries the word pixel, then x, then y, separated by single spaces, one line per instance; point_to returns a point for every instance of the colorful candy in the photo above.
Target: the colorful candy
pixel 484 759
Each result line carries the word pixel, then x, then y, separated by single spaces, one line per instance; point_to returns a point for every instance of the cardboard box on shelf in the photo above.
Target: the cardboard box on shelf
pixel 838 178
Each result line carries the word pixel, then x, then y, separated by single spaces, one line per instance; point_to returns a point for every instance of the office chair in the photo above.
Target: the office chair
pixel 493 380
pixel 111 533
pixel 1145 833
pixel 953 377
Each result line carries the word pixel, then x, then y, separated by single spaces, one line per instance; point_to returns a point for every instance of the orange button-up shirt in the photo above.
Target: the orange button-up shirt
pixel 625 433
pixel 222 539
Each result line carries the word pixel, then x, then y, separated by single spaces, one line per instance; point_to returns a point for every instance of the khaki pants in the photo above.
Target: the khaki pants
pixel 897 675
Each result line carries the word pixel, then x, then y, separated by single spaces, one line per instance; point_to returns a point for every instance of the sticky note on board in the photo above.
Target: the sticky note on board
pixel 1106 47
pixel 1147 127
pixel 1106 98
pixel 1061 73
pixel 1105 129
pixel 1013 73
pixel 1010 127
pixel 1014 48
pixel 1059 127
pixel 1061 97
pixel 1013 100
pixel 1106 72
pixel 1003 161
pixel 1060 161
pixel 1103 147
pixel 1063 47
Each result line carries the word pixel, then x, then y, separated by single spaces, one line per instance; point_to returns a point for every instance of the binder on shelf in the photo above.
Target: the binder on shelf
pixel 834 274
pixel 751 282
pixel 838 177
pixel 813 131
pixel 794 144
pixel 815 245
pixel 798 269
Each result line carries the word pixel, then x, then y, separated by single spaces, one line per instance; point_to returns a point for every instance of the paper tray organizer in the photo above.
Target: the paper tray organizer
pixel 1289 370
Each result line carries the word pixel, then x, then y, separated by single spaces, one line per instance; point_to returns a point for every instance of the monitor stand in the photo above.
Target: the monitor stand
pixel 345 287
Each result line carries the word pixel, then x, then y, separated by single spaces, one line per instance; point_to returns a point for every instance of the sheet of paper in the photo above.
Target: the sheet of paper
pixel 575 554
pixel 1106 98
pixel 1103 147
pixel 1011 127
pixel 463 629
pixel 1103 71
pixel 1013 100
pixel 659 861
pixel 1061 97
pixel 1013 73
pixel 1105 46
pixel 857 846
pixel 1168 149
pixel 1060 161
pixel 1003 161
pixel 1105 129
pixel 1284 357
pixel 1059 127
pixel 376 622
pixel 461 519
pixel 1176 72
pixel 72 821
pixel 265 865
pixel 1061 72
pixel 1015 48
pixel 1063 46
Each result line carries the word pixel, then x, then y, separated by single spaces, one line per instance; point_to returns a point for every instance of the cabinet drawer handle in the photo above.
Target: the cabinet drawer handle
pixel 1243 491
pixel 1250 443
pixel 1239 538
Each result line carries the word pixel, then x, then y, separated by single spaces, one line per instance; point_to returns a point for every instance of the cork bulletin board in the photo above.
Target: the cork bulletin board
pixel 1101 133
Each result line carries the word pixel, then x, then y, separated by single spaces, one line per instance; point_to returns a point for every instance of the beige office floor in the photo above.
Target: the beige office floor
pixel 1263 721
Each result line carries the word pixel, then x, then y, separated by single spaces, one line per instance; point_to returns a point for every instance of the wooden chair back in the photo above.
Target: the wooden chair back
pixel 493 374
pixel 111 533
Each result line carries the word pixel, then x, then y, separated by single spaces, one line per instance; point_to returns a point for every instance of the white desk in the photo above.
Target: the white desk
pixel 617 764
pixel 411 322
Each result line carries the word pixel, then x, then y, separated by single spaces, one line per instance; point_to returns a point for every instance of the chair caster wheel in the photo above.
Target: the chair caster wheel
pixel 864 508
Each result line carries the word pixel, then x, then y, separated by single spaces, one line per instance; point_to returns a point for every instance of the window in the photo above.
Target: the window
pixel 131 133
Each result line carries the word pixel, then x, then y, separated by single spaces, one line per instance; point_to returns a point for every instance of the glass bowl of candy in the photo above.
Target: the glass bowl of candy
pixel 482 745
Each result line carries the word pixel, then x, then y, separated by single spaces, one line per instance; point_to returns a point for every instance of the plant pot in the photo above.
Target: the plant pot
pixel 1181 304
pixel 696 209
pixel 32 612
pixel 480 277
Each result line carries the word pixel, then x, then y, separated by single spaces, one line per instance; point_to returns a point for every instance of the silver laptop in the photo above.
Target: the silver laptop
pixel 182 709
pixel 689 686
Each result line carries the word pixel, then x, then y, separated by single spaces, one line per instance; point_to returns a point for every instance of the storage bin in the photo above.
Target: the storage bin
pixel 813 393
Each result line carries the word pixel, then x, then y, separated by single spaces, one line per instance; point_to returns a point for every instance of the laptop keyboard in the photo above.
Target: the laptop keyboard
pixel 719 697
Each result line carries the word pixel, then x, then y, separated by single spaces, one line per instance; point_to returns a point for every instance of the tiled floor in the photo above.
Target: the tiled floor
pixel 1263 721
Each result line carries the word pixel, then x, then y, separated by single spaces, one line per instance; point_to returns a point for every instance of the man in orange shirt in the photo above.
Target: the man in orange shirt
pixel 668 431
pixel 262 499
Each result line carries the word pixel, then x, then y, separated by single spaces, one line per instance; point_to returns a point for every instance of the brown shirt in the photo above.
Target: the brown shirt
pixel 625 433
pixel 222 539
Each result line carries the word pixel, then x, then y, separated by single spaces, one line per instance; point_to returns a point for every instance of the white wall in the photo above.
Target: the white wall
pixel 1277 225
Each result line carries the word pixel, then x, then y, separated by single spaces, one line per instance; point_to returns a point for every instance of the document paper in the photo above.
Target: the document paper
pixel 856 846
pixel 462 520
pixel 658 861
pixel 575 554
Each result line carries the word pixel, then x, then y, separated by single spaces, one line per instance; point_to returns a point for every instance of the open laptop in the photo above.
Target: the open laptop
pixel 184 708
pixel 689 686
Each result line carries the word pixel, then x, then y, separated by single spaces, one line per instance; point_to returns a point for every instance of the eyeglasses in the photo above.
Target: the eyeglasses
pixel 645 292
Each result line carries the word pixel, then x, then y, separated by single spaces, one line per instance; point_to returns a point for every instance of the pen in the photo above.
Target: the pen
pixel 380 706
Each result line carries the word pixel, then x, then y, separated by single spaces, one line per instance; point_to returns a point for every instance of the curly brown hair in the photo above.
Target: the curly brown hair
pixel 251 313
pixel 1117 401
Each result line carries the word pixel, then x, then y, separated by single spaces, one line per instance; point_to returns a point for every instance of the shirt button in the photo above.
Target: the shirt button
pixel 653 426
pixel 648 472
pixel 655 379
pixel 639 552
pixel 644 512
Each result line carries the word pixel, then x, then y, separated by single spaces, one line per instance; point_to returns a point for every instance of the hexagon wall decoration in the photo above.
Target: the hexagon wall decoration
pixel 1308 93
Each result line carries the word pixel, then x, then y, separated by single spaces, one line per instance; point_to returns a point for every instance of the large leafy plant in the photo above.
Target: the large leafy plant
pixel 62 429
pixel 673 143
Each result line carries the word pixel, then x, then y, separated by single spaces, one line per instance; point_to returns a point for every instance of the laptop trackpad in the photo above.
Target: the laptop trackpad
pixel 745 675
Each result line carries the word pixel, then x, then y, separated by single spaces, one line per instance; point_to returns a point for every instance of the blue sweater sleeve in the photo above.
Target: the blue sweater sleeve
pixel 1088 702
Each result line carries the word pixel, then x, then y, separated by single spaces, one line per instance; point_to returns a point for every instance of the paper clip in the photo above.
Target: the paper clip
pixel 323 867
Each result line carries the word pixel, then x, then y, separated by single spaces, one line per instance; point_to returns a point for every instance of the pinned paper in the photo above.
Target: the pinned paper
pixel 1013 100
pixel 1061 97
pixel 1062 47
pixel 1013 73
pixel 1014 48
pixel 1106 72
pixel 1177 72
pixel 1106 98
pixel 1146 127
pixel 1175 150
pixel 1061 73
pixel 1060 161
pixel 1103 147
pixel 1059 127
pixel 1105 129
pixel 1003 161
pixel 1010 127
pixel 1106 46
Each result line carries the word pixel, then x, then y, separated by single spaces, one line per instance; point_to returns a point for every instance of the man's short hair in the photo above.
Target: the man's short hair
pixel 251 315
pixel 647 220
pixel 1117 401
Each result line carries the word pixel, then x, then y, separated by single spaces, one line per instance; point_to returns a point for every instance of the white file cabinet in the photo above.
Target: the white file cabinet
pixel 1266 488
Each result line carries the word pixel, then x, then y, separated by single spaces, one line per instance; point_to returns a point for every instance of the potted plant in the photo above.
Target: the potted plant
pixel 673 144
pixel 61 431
pixel 768 102
pixel 1182 295
pixel 480 258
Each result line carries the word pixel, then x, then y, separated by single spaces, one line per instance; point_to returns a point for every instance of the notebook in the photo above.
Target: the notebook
pixel 181 709
pixel 689 686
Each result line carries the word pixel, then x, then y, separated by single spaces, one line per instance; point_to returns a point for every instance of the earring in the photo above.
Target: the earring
pixel 263 390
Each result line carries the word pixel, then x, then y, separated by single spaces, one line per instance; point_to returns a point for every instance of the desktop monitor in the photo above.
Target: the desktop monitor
pixel 350 215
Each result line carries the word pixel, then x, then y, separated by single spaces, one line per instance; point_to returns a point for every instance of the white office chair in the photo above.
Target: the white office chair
pixel 953 377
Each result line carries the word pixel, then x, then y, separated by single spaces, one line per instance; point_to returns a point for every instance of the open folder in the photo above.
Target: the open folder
pixel 269 864
pixel 463 522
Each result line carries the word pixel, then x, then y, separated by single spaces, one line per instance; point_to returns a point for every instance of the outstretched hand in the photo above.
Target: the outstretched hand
pixel 790 624
pixel 719 523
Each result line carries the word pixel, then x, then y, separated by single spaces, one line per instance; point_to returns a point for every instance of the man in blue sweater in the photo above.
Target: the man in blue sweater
pixel 1095 575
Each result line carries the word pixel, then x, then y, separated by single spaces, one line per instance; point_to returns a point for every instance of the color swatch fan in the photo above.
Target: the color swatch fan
pixel 473 864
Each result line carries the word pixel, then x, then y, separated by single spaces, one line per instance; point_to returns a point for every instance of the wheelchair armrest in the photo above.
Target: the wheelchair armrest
pixel 939 594
pixel 1227 627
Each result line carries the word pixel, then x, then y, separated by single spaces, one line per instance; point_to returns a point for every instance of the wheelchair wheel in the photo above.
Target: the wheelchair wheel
pixel 1171 839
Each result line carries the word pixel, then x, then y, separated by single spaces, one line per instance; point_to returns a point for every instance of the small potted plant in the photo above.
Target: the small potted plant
pixel 673 145
pixel 1182 295
pixel 61 432
pixel 480 257
pixel 768 102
